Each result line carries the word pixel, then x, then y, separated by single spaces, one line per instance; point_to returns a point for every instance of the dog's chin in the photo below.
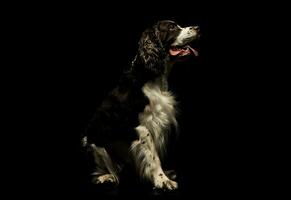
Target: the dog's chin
pixel 183 52
pixel 186 50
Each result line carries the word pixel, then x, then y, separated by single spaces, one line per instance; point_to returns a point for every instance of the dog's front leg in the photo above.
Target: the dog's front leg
pixel 147 161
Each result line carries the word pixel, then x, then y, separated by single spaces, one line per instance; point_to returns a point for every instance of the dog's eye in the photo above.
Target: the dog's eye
pixel 172 27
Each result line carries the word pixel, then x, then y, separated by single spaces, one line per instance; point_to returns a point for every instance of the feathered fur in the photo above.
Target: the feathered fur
pixel 139 113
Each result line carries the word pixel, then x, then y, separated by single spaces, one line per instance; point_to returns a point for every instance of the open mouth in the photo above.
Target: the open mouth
pixel 183 51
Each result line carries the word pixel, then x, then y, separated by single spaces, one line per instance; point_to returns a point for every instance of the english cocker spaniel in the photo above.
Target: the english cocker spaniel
pixel 132 124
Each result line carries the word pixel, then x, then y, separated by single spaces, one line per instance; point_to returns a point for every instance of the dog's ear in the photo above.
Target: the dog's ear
pixel 151 52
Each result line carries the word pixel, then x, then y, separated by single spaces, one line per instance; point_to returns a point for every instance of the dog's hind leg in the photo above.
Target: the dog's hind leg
pixel 105 171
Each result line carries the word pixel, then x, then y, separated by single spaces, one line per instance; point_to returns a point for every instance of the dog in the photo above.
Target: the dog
pixel 134 121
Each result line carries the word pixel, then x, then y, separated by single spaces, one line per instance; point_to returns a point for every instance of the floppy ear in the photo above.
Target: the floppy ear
pixel 151 52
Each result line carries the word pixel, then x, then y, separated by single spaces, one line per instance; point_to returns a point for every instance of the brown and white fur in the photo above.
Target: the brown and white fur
pixel 145 91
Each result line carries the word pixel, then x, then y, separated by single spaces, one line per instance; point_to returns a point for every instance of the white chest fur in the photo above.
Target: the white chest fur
pixel 158 116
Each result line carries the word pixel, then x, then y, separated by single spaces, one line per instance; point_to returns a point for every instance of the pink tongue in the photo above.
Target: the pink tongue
pixel 175 52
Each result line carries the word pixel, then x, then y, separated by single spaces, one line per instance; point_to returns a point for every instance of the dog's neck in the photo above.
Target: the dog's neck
pixel 162 80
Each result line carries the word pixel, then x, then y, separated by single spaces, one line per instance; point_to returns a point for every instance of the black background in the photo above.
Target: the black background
pixel 71 56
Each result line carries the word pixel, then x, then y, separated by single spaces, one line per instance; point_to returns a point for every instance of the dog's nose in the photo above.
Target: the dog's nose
pixel 196 28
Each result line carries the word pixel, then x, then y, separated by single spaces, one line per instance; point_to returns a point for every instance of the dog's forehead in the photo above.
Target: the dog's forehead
pixel 165 22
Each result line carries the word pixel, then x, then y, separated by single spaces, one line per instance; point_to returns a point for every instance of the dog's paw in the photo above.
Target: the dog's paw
pixel 105 178
pixel 170 185
pixel 165 184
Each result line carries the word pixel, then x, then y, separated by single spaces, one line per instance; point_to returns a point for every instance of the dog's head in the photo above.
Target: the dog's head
pixel 166 41
pixel 176 39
